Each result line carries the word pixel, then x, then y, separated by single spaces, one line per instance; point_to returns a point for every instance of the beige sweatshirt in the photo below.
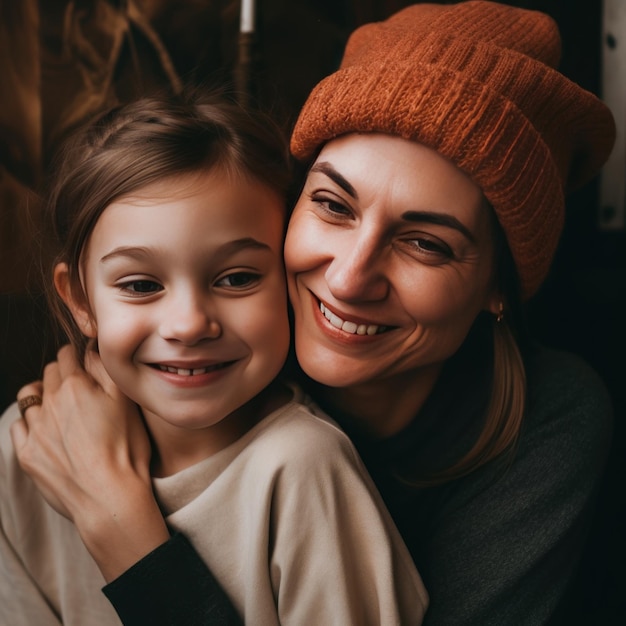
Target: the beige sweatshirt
pixel 286 518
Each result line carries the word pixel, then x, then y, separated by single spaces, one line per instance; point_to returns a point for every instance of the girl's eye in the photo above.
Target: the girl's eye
pixel 141 287
pixel 238 280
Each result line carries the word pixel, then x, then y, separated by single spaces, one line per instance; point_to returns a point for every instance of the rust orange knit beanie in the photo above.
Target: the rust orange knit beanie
pixel 475 81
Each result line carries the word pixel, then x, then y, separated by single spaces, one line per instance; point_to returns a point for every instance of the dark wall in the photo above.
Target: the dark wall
pixel 582 308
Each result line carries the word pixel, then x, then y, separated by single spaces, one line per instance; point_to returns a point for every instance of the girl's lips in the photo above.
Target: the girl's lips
pixel 191 371
pixel 348 326
pixel 193 377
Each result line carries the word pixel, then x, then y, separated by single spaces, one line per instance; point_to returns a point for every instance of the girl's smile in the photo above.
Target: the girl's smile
pixel 193 376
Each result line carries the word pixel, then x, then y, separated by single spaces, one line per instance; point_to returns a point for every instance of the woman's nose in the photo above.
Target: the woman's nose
pixel 357 273
pixel 190 319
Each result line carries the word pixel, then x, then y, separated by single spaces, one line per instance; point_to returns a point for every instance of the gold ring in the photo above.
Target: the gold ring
pixel 27 402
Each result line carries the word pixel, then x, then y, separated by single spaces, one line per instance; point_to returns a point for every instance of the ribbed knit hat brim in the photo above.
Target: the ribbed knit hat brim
pixel 473 81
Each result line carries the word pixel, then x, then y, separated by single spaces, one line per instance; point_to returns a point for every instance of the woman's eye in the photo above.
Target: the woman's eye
pixel 434 248
pixel 141 287
pixel 332 207
pixel 238 280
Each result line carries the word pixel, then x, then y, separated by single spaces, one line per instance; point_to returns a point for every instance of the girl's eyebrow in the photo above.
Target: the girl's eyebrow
pixel 441 219
pixel 326 168
pixel 131 252
pixel 142 253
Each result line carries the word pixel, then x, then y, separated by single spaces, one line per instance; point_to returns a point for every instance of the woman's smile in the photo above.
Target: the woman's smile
pixel 350 326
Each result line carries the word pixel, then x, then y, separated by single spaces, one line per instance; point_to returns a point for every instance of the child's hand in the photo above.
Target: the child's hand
pixel 87 450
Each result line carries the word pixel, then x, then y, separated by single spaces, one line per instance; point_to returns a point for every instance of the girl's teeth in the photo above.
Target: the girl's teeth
pixel 350 327
pixel 182 371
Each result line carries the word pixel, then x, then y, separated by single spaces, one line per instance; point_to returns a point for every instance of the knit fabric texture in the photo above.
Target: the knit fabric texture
pixel 475 81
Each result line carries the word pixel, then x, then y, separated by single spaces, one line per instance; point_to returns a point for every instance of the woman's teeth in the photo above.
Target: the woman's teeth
pixel 350 327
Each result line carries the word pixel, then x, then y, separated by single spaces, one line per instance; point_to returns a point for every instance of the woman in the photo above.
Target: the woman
pixel 440 153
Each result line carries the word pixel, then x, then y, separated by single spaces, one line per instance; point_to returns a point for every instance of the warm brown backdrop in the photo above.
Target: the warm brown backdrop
pixel 61 60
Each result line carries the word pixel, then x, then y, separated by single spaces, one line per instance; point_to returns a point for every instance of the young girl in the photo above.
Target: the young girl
pixel 170 216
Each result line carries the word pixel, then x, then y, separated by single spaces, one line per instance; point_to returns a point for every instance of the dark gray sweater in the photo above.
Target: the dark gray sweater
pixel 496 547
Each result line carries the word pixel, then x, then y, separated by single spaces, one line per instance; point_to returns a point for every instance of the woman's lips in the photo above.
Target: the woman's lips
pixel 347 326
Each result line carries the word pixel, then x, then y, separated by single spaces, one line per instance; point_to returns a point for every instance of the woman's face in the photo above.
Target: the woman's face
pixel 389 255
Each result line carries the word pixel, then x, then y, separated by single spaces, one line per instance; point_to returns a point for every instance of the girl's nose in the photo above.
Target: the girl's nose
pixel 357 273
pixel 190 320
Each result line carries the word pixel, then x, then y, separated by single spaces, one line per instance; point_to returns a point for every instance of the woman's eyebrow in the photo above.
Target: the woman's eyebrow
pixel 442 219
pixel 326 168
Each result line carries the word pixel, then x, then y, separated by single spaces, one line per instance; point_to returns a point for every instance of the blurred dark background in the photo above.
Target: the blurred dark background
pixel 60 61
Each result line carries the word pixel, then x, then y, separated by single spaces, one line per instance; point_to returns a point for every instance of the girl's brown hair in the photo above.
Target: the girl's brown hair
pixel 142 142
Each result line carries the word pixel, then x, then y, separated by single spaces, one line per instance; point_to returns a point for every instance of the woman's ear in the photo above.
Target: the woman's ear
pixel 76 303
pixel 495 304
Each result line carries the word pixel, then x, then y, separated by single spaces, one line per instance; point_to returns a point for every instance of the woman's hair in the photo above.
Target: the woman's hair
pixel 507 400
pixel 140 143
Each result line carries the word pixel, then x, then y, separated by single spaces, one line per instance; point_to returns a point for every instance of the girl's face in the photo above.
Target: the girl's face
pixel 389 257
pixel 187 297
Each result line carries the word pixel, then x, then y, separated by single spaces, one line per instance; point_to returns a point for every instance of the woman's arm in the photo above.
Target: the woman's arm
pixel 88 452
pixel 171 585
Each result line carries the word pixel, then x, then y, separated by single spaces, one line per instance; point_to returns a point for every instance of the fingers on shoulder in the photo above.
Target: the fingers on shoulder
pixel 65 372
pixel 67 360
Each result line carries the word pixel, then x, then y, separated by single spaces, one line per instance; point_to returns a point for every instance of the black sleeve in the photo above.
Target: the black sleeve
pixel 171 586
